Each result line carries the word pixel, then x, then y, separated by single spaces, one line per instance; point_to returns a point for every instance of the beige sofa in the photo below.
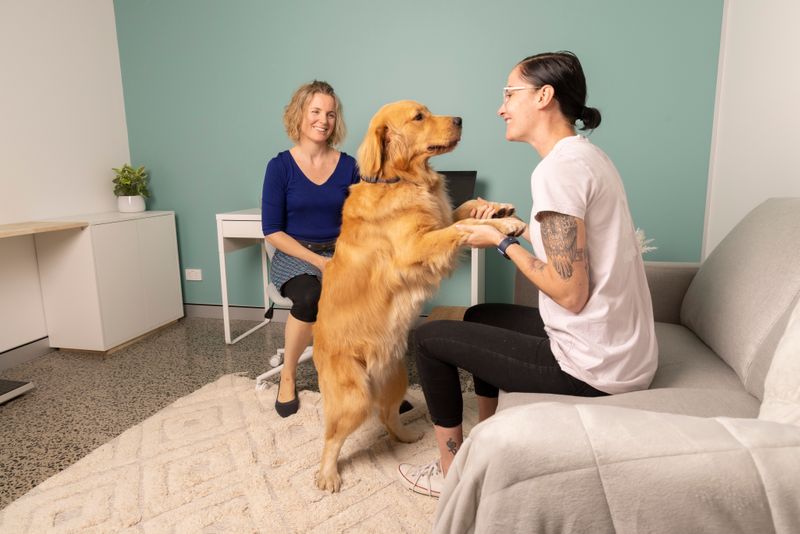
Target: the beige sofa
pixel 712 446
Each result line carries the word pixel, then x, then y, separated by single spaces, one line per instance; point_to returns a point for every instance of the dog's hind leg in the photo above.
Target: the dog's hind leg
pixel 391 419
pixel 343 415
pixel 389 400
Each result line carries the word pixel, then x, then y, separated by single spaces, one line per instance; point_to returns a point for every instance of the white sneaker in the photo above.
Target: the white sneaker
pixel 425 479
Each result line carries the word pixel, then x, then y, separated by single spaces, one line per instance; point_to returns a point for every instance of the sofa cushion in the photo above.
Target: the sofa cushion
pixel 690 380
pixel 685 361
pixel 739 300
pixel 668 282
pixel 782 386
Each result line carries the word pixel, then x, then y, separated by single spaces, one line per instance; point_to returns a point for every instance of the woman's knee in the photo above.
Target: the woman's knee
pixel 303 313
pixel 305 308
pixel 305 300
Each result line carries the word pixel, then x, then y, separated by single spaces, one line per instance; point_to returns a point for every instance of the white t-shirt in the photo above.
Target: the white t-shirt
pixel 611 343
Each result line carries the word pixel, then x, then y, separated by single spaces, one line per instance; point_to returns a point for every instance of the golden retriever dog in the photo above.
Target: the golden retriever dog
pixel 397 242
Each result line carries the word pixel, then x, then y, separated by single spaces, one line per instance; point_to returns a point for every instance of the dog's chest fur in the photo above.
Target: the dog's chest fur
pixel 380 270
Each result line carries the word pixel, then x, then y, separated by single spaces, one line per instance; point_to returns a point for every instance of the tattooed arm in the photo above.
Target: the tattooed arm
pixel 565 275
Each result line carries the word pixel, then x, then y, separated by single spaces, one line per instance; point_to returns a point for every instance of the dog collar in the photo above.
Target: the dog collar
pixel 376 180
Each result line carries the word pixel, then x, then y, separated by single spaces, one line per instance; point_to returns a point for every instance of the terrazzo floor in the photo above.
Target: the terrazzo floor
pixel 82 401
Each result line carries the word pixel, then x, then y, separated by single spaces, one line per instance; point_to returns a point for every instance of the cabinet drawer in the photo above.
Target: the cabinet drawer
pixel 242 229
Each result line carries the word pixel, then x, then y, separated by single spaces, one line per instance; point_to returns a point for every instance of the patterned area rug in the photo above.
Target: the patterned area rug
pixel 221 460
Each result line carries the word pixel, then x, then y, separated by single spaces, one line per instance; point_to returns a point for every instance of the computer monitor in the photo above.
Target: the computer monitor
pixel 460 186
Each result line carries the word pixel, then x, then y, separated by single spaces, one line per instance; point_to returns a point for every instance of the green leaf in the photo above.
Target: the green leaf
pixel 129 181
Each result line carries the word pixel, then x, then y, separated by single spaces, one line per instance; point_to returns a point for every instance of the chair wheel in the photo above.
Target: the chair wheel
pixel 276 359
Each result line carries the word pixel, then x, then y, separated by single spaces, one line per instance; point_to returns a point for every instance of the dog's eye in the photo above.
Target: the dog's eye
pixel 418 117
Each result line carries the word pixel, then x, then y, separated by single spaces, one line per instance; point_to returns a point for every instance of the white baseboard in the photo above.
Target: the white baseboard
pixel 25 353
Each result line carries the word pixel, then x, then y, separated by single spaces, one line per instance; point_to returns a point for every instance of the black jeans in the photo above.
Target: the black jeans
pixel 304 290
pixel 504 346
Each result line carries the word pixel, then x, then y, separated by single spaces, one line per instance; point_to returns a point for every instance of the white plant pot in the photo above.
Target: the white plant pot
pixel 130 204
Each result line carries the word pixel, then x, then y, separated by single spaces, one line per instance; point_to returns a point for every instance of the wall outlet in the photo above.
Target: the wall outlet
pixel 194 274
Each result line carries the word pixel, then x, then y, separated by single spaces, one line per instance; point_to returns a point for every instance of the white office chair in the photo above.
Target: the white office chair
pixel 275 297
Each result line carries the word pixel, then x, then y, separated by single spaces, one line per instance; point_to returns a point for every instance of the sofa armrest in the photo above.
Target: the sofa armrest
pixel 668 283
pixel 578 468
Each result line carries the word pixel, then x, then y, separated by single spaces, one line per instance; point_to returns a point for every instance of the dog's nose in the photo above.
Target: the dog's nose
pixel 457 121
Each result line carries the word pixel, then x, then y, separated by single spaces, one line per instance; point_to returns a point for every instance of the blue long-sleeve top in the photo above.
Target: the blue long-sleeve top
pixel 292 203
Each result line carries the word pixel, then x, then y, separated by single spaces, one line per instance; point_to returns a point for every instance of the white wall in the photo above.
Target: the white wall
pixel 756 137
pixel 62 128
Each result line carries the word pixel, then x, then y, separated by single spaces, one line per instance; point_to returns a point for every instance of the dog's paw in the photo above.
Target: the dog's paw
pixel 331 482
pixel 503 210
pixel 511 226
pixel 485 209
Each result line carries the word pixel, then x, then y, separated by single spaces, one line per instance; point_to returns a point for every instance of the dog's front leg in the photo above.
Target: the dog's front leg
pixel 470 208
pixel 436 250
pixel 507 225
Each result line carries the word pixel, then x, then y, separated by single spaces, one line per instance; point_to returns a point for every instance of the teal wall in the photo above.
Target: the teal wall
pixel 205 83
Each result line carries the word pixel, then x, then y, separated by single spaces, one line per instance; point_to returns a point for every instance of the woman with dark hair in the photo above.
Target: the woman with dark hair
pixel 301 214
pixel 593 332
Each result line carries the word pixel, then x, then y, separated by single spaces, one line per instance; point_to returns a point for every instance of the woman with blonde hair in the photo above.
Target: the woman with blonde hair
pixel 301 214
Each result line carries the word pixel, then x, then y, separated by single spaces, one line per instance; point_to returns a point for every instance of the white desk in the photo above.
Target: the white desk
pixel 240 229
pixel 10 389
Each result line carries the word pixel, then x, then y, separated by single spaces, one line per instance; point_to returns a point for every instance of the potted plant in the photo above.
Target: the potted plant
pixel 130 187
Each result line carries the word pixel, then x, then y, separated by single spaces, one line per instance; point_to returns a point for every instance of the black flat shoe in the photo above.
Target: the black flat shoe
pixel 406 406
pixel 285 409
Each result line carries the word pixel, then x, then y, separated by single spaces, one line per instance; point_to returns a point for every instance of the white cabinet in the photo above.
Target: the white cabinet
pixel 111 282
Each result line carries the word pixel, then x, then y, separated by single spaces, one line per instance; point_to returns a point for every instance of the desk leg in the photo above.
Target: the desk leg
pixel 264 275
pixel 477 264
pixel 223 277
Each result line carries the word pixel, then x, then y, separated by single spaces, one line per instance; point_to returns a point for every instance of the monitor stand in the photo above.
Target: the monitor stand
pixel 11 388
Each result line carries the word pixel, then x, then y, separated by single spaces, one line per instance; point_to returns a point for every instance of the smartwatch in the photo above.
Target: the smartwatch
pixel 505 243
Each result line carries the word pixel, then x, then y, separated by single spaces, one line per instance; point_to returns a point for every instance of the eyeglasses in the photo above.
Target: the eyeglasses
pixel 509 90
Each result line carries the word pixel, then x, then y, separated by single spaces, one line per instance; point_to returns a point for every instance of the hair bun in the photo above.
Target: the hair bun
pixel 590 117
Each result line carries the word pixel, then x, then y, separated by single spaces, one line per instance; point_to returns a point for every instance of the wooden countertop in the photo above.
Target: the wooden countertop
pixel 38 227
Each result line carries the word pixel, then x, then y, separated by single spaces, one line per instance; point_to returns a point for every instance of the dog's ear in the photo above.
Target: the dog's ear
pixel 397 151
pixel 370 153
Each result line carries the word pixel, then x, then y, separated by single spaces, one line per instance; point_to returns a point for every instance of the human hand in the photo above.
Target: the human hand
pixel 490 210
pixel 481 235
pixel 320 262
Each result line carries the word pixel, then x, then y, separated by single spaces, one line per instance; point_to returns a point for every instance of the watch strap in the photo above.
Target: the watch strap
pixel 505 243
